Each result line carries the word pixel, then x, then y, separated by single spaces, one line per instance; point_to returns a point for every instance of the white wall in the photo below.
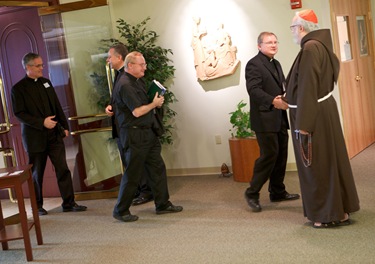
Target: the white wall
pixel 203 107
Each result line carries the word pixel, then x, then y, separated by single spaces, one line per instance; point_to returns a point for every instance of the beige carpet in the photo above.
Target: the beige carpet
pixel 216 226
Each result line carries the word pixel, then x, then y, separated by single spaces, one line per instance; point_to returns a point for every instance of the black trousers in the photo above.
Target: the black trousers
pixel 56 152
pixel 144 189
pixel 271 164
pixel 142 155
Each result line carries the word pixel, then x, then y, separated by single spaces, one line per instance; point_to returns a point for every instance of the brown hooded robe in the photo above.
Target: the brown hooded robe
pixel 327 185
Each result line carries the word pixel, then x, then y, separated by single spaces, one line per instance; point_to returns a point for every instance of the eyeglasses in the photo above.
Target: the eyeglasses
pixel 269 43
pixel 293 26
pixel 37 66
pixel 140 64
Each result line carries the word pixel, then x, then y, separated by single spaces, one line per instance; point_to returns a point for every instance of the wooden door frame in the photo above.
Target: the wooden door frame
pixel 356 140
pixel 48 7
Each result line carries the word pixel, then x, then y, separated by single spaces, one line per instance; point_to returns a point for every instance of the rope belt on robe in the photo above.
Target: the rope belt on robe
pixel 306 151
pixel 319 100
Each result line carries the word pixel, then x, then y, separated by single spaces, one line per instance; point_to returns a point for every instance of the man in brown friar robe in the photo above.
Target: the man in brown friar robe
pixel 327 185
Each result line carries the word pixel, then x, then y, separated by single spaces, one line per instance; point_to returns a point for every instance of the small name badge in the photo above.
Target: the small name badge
pixel 46 85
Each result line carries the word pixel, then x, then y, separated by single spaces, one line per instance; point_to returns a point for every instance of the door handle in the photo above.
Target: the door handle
pixel 92 130
pixel 77 132
pixel 110 77
pixel 71 118
pixel 358 78
pixel 7 124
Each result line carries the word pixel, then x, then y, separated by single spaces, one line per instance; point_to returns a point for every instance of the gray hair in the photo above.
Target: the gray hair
pixel 29 57
pixel 308 26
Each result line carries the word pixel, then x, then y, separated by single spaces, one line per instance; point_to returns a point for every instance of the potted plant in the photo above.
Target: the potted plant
pixel 244 149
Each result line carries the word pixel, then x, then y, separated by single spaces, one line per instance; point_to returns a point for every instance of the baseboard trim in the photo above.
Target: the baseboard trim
pixel 194 171
pixel 291 167
pixel 93 195
pixel 210 171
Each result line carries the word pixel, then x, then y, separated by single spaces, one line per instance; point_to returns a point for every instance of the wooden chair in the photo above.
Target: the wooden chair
pixel 14 177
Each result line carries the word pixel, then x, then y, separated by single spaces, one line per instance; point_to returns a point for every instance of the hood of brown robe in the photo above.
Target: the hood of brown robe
pixel 324 37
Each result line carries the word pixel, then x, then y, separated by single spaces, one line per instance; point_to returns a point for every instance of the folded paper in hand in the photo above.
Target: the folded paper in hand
pixel 155 86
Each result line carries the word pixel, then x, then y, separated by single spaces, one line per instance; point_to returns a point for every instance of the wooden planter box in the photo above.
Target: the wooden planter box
pixel 243 152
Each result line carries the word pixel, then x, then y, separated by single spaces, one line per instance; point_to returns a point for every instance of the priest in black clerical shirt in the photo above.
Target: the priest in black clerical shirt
pixel 116 57
pixel 36 106
pixel 265 86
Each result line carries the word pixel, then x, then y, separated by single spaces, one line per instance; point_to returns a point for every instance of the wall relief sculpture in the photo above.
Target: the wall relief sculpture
pixel 214 55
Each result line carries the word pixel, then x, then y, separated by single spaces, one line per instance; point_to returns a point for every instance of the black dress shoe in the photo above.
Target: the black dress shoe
pixel 75 208
pixel 253 204
pixel 141 200
pixel 42 211
pixel 126 218
pixel 285 197
pixel 170 209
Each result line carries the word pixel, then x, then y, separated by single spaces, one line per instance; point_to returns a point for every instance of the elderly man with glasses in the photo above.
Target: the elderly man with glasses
pixel 327 185
pixel 134 114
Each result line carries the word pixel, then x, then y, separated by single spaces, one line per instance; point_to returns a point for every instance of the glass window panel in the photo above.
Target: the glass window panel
pixel 84 31
pixel 102 159
pixel 93 155
pixel 344 38
pixel 362 35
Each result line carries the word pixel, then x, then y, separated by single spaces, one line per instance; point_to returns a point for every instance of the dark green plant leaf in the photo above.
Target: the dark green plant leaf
pixel 159 67
pixel 240 120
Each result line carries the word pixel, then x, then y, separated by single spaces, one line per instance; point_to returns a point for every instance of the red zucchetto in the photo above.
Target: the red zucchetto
pixel 308 15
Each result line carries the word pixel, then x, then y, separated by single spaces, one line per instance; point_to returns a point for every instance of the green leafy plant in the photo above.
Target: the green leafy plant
pixel 240 120
pixel 138 38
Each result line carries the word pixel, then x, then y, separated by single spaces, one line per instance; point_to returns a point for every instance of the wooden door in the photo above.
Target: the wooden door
pixel 353 38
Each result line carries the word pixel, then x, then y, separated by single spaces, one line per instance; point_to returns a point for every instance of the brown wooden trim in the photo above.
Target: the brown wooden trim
pixel 93 195
pixel 71 7
pixel 24 3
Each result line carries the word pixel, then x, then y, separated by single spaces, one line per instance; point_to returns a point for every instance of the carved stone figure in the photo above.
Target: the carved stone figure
pixel 214 55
